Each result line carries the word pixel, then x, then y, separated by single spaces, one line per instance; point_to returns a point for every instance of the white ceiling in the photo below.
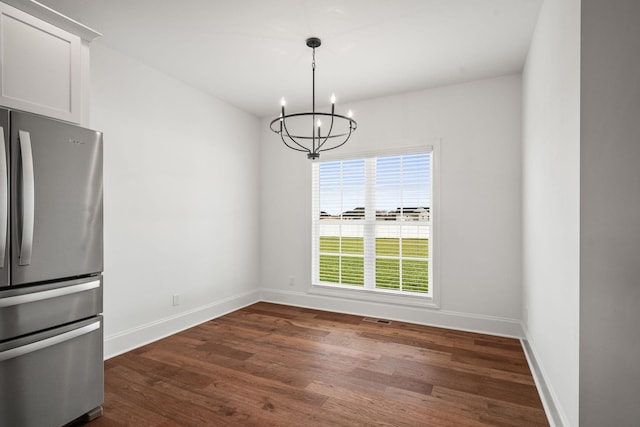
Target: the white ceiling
pixel 250 53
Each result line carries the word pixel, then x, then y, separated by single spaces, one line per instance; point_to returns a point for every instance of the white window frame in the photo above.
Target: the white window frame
pixel 431 300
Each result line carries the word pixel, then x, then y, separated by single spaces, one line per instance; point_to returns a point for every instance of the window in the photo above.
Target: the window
pixel 372 223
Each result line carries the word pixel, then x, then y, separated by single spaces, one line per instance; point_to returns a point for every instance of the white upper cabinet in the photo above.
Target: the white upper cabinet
pixel 42 69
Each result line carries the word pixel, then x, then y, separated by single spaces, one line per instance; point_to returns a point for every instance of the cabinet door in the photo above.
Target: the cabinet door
pixel 39 66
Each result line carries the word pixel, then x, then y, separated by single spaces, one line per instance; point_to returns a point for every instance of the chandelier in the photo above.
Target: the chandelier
pixel 288 126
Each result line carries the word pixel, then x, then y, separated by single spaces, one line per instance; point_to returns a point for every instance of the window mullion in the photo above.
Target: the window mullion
pixel 315 221
pixel 402 216
pixel 340 228
pixel 369 224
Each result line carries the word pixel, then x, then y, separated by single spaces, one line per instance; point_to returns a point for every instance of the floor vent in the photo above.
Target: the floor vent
pixel 374 320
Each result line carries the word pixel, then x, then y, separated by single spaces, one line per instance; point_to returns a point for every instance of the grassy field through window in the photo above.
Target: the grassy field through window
pixel 342 261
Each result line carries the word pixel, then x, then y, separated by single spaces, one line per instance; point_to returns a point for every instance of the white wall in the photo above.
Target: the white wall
pixel 479 127
pixel 181 201
pixel 551 202
pixel 610 214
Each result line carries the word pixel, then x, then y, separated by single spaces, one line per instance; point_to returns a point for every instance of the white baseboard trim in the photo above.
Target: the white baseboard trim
pixel 144 334
pixel 511 328
pixel 555 416
pixel 138 336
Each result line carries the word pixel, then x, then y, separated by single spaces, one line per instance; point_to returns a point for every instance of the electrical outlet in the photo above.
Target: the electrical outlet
pixel 176 299
pixel 292 281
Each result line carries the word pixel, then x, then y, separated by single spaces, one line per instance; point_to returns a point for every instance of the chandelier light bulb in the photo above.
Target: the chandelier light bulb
pixel 333 98
pixel 318 123
pixel 350 114
pixel 283 102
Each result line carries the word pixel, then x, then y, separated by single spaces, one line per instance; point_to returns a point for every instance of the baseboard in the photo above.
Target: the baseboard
pixel 555 417
pixel 423 316
pixel 144 334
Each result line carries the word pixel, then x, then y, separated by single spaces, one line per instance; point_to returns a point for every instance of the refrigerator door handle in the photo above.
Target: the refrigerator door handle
pixel 48 342
pixel 51 293
pixel 28 198
pixel 4 198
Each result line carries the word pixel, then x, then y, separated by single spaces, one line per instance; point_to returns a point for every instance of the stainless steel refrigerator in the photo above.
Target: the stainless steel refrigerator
pixel 51 260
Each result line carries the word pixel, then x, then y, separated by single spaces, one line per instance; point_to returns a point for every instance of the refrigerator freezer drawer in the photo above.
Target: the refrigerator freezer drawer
pixel 53 377
pixel 30 309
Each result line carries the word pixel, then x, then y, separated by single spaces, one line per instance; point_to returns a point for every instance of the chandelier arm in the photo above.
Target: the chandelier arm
pixel 272 122
pixel 304 149
pixel 284 123
pixel 341 144
pixel 329 133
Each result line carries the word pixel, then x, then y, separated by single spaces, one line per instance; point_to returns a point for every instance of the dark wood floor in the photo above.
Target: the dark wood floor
pixel 275 365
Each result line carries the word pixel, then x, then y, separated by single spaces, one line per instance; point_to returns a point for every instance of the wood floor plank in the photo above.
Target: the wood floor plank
pixel 404 409
pixel 447 361
pixel 170 402
pixel 501 412
pixel 394 380
pixel 275 365
pixel 476 384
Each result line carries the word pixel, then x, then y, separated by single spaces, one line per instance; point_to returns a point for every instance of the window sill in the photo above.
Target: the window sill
pixel 378 295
